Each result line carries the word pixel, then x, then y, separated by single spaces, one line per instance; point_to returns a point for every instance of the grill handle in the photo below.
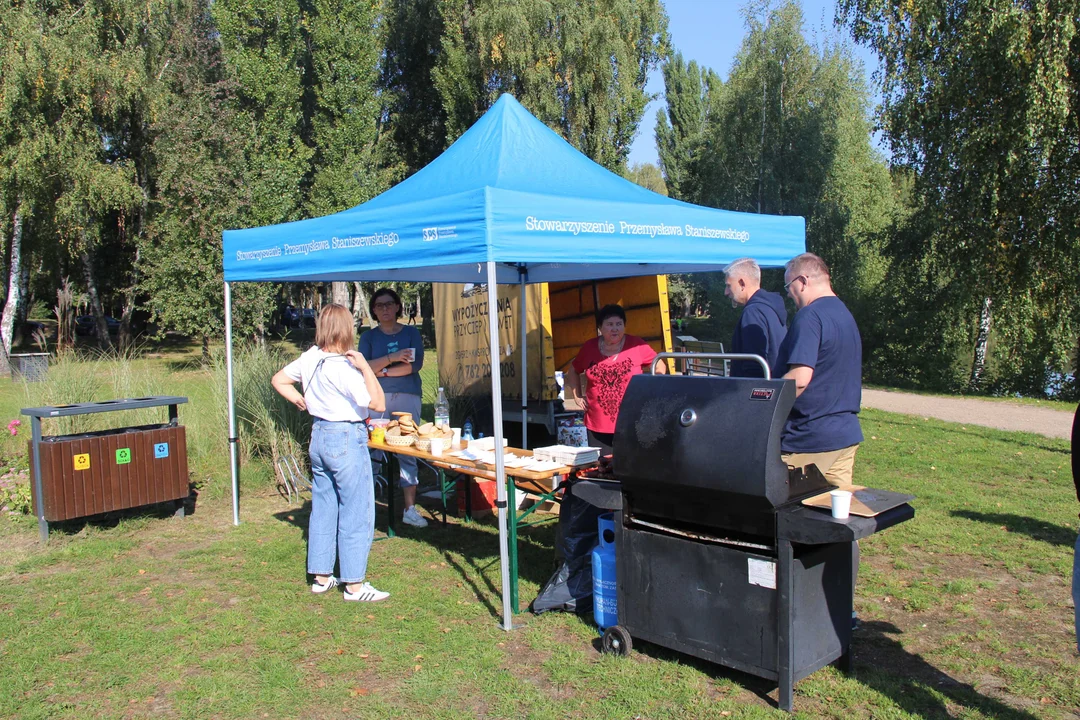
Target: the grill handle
pixel 711 356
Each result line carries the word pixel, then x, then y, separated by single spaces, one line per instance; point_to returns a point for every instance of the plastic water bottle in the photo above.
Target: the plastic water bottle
pixel 605 592
pixel 442 410
pixel 466 431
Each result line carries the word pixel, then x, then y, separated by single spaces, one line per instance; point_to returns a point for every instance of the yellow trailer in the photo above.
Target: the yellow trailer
pixel 559 318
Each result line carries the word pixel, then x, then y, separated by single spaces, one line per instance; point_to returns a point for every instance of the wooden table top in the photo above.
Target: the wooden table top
pixel 448 461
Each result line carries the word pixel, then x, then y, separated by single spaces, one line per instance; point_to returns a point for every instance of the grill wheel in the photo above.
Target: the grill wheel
pixel 616 641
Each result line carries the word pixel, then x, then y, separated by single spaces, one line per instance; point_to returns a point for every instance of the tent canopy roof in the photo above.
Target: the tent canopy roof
pixel 510 190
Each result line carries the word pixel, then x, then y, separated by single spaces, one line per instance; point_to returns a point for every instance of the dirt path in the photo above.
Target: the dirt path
pixel 988 413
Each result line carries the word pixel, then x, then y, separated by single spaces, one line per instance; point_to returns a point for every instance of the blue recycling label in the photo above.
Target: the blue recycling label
pixel 161 450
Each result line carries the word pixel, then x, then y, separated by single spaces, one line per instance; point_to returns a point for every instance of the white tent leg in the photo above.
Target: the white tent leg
pixel 523 316
pixel 500 469
pixel 234 450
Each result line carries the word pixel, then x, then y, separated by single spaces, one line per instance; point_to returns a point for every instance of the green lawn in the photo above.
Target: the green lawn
pixel 965 610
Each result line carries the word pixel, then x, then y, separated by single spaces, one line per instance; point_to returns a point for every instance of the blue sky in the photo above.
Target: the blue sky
pixel 710 32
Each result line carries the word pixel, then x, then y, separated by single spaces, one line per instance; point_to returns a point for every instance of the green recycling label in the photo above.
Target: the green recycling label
pixel 123 456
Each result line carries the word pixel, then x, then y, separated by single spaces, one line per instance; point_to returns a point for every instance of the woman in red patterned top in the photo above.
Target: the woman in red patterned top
pixel 605 364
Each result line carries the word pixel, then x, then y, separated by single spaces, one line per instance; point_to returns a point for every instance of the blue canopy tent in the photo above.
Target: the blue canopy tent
pixel 509 202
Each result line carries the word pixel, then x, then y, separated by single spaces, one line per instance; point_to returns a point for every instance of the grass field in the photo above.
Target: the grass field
pixel 965 610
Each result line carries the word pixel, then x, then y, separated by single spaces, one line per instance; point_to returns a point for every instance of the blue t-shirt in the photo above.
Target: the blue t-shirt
pixel 823 336
pixel 374 343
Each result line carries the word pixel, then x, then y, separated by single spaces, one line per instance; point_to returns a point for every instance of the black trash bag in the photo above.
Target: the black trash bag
pixel 569 589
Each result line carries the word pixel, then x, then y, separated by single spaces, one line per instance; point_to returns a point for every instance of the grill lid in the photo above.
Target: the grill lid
pixel 705 450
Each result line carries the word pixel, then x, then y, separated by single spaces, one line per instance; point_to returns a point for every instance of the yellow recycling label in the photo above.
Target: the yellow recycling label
pixel 82 461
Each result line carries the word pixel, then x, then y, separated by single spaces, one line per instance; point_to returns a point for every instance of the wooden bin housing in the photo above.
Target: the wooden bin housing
pixel 87 474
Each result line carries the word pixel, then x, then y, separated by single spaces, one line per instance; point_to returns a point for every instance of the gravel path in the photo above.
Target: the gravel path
pixel 969 411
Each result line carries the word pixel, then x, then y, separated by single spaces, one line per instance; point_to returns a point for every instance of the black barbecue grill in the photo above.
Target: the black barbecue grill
pixel 717 557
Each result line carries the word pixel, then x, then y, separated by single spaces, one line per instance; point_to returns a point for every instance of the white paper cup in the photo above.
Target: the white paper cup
pixel 457 437
pixel 841 503
pixel 437 446
pixel 412 354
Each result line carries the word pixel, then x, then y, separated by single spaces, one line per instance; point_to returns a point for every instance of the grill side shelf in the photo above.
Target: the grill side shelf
pixel 811 526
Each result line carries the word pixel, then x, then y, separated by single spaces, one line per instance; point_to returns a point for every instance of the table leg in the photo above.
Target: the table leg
pixel 468 480
pixel 393 472
pixel 442 490
pixel 511 531
pixel 785 583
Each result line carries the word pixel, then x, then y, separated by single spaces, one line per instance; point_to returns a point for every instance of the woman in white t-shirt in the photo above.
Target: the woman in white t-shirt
pixel 339 391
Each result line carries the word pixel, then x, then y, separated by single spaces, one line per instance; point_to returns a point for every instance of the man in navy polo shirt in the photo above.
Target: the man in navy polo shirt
pixel 822 353
pixel 763 323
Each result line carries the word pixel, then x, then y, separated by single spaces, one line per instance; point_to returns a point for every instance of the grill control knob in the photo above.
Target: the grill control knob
pixel 688 417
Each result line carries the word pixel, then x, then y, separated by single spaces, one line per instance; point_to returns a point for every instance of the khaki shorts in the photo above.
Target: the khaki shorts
pixel 838 466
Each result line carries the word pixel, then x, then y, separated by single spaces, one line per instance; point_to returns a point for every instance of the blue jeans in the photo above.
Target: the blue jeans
pixel 1076 591
pixel 342 523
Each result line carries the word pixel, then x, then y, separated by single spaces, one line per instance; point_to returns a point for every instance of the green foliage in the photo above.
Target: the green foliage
pixel 787 134
pixel 580 67
pixel 17 498
pixel 648 176
pixel 689 91
pixel 981 101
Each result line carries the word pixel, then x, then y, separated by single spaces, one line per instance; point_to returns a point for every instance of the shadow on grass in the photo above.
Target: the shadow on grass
pixel 1035 529
pixel 984 433
pixel 471 549
pixel 110 520
pixel 916 686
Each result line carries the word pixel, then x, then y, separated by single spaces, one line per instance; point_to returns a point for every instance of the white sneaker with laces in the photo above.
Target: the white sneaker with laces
pixel 331 582
pixel 413 517
pixel 366 593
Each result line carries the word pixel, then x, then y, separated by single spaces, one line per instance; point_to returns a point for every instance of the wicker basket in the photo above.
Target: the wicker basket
pixel 423 444
pixel 399 440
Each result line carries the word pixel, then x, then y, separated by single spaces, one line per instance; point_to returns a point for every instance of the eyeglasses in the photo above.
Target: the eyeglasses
pixel 797 277
pixel 385 305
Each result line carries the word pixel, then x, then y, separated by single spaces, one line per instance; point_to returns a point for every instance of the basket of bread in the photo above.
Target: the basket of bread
pixel 402 430
pixel 428 432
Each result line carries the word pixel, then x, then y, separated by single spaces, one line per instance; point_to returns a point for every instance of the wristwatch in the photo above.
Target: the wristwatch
pixel 385 372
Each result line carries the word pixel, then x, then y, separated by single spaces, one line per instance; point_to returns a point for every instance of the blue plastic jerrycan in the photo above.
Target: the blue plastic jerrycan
pixel 605 596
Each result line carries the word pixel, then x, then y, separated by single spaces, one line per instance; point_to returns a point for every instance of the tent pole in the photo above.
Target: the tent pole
pixel 523 317
pixel 500 469
pixel 234 450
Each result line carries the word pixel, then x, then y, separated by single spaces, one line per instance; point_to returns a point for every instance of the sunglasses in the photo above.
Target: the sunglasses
pixel 797 277
pixel 384 305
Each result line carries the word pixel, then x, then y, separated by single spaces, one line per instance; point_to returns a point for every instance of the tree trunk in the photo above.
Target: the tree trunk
pixel 339 293
pixel 85 257
pixel 26 300
pixel 125 338
pixel 360 305
pixel 14 294
pixel 978 365
pixel 206 349
pixel 426 300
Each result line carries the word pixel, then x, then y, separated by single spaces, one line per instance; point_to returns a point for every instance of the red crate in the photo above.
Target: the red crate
pixel 484 494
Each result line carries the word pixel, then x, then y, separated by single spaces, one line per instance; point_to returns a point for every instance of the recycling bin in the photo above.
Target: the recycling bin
pixel 31 367
pixel 86 474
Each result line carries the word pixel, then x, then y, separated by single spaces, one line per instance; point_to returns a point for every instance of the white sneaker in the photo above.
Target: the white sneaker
pixel 413 517
pixel 331 582
pixel 366 593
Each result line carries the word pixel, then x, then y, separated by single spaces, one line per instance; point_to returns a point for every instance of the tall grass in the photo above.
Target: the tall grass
pixel 269 427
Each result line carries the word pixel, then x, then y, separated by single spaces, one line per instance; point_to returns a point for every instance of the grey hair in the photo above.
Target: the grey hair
pixel 807 264
pixel 744 267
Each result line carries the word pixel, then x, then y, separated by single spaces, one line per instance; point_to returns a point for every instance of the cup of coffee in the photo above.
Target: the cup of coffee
pixel 841 503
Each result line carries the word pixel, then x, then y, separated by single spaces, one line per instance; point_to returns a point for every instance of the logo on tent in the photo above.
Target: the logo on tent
pixel 435 233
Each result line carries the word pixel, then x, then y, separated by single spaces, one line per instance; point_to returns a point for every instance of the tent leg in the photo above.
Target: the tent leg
pixel 523 316
pixel 500 469
pixel 234 450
